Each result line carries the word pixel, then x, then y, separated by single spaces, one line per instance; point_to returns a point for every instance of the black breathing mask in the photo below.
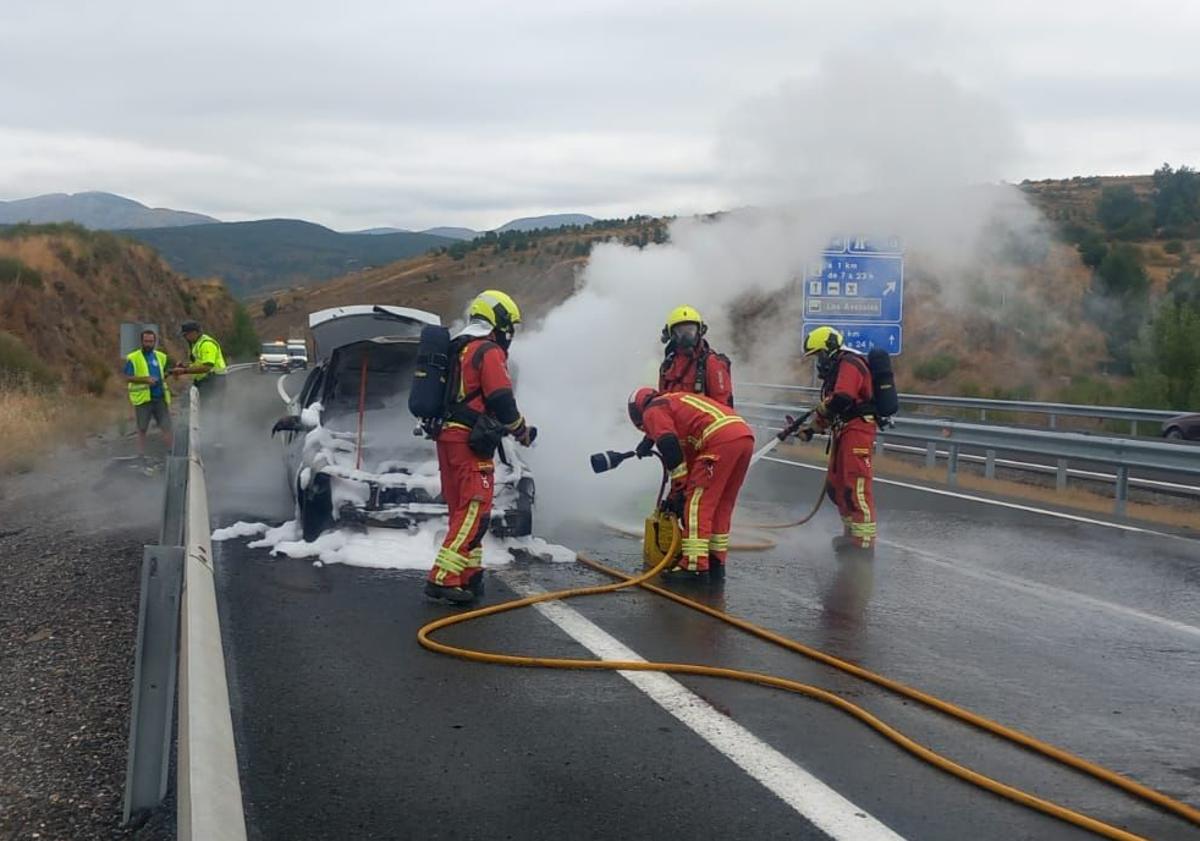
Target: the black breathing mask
pixel 826 363
pixel 686 335
pixel 504 337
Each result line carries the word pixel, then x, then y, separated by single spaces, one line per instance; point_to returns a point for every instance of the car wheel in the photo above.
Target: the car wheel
pixel 1174 434
pixel 316 507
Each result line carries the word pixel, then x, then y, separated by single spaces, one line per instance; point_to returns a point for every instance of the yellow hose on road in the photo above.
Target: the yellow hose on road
pixel 424 636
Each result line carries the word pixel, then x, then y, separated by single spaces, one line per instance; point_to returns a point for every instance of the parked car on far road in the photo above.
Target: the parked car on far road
pixel 1182 428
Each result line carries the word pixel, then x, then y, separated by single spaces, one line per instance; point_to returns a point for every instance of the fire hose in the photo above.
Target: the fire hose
pixel 643 580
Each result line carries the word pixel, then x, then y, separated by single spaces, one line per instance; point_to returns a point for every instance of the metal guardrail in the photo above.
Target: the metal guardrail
pixel 179 643
pixel 1123 454
pixel 152 711
pixel 984 405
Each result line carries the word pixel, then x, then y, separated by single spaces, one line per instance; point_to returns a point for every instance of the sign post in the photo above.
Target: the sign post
pixel 857 287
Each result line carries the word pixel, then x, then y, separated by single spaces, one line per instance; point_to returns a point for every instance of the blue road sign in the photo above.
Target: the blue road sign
pixel 855 287
pixel 863 337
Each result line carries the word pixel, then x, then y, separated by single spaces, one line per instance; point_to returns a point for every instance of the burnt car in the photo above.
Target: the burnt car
pixel 1182 428
pixel 354 454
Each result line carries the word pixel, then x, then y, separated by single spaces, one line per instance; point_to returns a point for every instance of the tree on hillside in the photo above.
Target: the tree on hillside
pixel 270 307
pixel 1120 302
pixel 1176 197
pixel 1093 248
pixel 1121 274
pixel 1167 361
pixel 242 342
pixel 1124 214
pixel 1184 287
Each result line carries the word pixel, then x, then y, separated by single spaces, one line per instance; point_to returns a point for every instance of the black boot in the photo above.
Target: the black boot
pixel 454 595
pixel 475 585
pixel 716 572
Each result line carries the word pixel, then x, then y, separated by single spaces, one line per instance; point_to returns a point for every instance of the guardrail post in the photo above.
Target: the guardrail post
pixel 931 454
pixel 1133 428
pixel 1053 421
pixel 952 465
pixel 152 715
pixel 1122 493
pixel 989 464
pixel 982 415
pixel 1060 478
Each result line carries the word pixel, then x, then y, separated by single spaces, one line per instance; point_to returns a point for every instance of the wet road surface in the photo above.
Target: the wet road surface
pixel 1081 635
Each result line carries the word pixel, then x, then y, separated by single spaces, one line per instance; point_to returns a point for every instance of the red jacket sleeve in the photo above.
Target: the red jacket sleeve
pixel 720 380
pixel 493 372
pixel 497 388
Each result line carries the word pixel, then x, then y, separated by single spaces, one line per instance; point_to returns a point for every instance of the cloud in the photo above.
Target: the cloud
pixel 603 106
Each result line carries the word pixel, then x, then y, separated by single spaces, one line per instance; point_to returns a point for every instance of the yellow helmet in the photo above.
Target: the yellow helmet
pixel 497 309
pixel 822 338
pixel 683 315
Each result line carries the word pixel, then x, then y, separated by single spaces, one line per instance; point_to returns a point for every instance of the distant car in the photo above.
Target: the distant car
pixel 297 351
pixel 273 356
pixel 1182 428
pixel 364 356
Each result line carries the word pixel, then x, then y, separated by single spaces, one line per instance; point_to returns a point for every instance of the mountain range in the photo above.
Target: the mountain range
pixel 525 223
pixel 274 253
pixel 108 212
pixel 99 211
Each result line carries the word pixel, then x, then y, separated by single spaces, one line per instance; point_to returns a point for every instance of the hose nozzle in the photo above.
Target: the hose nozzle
pixel 602 462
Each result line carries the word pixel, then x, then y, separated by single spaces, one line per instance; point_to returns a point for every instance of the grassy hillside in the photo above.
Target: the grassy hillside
pixel 1138 237
pixel 252 257
pixel 65 290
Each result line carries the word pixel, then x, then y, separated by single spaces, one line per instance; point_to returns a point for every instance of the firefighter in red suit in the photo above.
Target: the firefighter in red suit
pixel 846 410
pixel 706 449
pixel 482 409
pixel 690 364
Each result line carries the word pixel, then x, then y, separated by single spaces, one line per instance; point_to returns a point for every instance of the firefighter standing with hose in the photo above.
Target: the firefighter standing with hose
pixel 847 412
pixel 482 409
pixel 706 448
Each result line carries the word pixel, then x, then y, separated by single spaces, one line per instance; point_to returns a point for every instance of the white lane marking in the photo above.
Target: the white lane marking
pixel 816 802
pixel 1048 592
pixel 283 395
pixel 1076 518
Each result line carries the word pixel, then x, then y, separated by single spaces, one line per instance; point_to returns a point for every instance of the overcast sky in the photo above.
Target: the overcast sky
pixel 375 112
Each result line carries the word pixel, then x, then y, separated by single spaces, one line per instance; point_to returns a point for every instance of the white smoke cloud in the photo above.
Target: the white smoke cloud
pixel 898 147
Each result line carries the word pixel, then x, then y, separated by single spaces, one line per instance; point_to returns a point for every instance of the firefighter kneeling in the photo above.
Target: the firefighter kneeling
pixel 847 411
pixel 707 449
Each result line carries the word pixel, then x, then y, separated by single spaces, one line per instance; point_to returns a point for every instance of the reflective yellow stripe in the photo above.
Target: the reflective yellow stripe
pixel 860 489
pixel 475 559
pixel 697 403
pixel 721 418
pixel 680 471
pixel 468 525
pixel 719 543
pixel 450 561
pixel 693 546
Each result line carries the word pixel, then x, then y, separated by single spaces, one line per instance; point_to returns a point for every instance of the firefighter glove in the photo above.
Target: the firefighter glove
pixel 805 433
pixel 645 448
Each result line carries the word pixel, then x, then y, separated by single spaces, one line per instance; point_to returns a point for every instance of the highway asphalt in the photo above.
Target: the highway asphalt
pixel 1080 634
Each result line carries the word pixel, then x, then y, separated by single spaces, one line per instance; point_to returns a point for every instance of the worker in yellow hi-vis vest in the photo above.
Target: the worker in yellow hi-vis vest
pixel 207 369
pixel 148 392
